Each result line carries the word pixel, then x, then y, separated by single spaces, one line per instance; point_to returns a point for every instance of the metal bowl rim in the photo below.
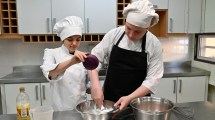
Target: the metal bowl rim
pixel 86 113
pixel 157 113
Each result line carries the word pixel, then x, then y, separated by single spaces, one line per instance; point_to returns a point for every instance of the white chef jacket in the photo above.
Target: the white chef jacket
pixel 68 89
pixel 153 48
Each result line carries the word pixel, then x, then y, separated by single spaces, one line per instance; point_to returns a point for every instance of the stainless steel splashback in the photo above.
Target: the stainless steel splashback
pixel 27 68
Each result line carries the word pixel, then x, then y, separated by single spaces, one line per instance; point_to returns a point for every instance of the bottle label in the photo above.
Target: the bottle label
pixel 23 112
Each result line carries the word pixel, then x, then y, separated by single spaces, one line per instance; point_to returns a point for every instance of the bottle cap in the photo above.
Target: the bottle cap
pixel 21 89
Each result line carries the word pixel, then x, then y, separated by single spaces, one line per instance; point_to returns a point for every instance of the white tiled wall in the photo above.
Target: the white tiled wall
pixel 15 53
pixel 175 49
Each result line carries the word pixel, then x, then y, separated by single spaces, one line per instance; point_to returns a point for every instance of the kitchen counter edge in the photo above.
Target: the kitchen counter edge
pixel 168 72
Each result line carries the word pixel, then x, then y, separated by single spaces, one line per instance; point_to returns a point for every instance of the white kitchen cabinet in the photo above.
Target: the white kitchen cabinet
pixel 183 89
pixel 38 94
pixel 39 17
pixel 100 18
pixel 64 8
pixel 209 25
pixel 160 4
pixel 194 16
pixel 45 93
pixel 184 16
pixel 176 16
pixel 34 16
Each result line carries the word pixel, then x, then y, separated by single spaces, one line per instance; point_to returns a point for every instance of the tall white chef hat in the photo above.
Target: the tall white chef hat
pixel 71 25
pixel 141 13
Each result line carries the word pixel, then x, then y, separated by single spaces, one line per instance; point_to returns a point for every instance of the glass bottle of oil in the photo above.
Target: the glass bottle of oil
pixel 22 105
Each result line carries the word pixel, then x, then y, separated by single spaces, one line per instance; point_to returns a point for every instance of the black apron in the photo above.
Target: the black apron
pixel 126 71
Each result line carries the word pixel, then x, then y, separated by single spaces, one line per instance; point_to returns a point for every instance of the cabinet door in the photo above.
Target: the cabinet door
pixel 191 89
pixel 176 16
pixel 12 90
pixel 100 18
pixel 194 16
pixel 209 16
pixel 45 93
pixel 167 89
pixel 34 16
pixel 160 4
pixel 64 8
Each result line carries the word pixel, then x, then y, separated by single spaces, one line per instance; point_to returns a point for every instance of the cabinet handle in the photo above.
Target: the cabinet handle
pixel 54 22
pixel 180 84
pixel 174 86
pixel 48 29
pixel 36 90
pixel 171 24
pixel 155 6
pixel 88 26
pixel 44 93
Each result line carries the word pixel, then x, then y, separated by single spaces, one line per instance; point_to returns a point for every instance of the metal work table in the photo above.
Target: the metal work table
pixel 202 111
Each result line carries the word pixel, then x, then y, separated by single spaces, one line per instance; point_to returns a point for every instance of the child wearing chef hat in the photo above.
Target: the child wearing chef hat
pixel 62 66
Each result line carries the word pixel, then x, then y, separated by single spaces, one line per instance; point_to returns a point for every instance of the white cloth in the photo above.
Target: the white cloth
pixel 141 13
pixel 68 89
pixel 71 25
pixel 153 48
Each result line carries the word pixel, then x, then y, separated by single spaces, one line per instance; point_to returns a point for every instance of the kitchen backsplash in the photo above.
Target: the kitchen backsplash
pixel 15 53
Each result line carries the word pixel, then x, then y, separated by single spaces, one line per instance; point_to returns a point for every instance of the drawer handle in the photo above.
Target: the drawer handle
pixel 44 93
pixel 174 86
pixel 36 90
pixel 180 85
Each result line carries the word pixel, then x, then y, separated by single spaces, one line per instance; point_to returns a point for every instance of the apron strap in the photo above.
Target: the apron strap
pixel 144 42
pixel 120 38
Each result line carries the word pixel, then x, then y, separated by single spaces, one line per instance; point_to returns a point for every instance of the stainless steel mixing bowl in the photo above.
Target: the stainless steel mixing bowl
pixel 90 111
pixel 152 108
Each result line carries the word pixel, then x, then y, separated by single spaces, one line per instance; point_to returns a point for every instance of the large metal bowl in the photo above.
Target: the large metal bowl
pixel 152 108
pixel 90 111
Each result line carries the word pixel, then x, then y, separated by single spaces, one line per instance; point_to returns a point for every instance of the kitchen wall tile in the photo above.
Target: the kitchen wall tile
pixel 15 53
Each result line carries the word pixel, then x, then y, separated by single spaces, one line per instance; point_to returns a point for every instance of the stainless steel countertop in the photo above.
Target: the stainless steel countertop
pixel 202 111
pixel 33 74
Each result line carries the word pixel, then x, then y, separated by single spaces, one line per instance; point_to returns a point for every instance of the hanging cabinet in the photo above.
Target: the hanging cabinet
pixel 185 16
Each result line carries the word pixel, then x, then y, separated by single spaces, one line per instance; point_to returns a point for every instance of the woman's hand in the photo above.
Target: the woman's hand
pixel 123 102
pixel 79 57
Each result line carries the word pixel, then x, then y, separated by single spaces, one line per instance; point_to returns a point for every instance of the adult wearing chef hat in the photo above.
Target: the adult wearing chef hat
pixel 63 68
pixel 134 55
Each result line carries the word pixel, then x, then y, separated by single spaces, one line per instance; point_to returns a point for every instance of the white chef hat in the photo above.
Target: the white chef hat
pixel 71 25
pixel 141 13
